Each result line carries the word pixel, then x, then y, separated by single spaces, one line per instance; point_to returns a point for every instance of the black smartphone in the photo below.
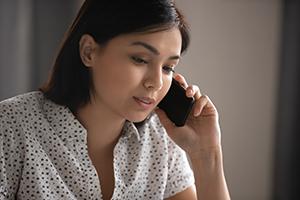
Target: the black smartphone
pixel 176 104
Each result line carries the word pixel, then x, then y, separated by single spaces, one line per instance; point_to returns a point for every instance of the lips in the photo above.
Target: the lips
pixel 145 102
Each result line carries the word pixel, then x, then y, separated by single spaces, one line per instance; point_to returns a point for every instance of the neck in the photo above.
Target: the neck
pixel 103 127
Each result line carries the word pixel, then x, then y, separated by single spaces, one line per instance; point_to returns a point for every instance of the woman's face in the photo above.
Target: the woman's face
pixel 133 72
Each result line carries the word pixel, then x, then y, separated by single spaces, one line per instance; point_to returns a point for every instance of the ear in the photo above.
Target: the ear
pixel 87 49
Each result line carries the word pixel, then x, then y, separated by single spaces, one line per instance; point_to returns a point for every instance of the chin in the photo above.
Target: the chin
pixel 137 118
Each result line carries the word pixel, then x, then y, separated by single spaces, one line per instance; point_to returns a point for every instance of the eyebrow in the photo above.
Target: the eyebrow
pixel 153 49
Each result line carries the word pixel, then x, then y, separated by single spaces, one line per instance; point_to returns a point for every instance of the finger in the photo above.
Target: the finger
pixel 200 105
pixel 193 91
pixel 181 80
pixel 205 107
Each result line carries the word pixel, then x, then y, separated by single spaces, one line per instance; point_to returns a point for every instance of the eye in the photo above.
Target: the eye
pixel 168 69
pixel 138 60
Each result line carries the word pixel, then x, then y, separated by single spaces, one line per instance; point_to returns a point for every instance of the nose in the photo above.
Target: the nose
pixel 154 79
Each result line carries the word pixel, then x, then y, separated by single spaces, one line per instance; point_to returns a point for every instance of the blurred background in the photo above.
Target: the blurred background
pixel 244 54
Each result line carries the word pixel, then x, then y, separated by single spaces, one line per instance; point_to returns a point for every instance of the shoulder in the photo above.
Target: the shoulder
pixel 14 110
pixel 14 124
pixel 21 102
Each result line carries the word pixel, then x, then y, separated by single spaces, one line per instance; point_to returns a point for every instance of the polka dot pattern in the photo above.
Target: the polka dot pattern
pixel 43 155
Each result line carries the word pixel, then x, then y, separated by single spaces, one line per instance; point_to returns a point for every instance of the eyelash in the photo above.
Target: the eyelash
pixel 141 61
pixel 168 69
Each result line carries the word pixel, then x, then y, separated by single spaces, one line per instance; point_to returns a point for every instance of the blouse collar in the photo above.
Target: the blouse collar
pixel 67 126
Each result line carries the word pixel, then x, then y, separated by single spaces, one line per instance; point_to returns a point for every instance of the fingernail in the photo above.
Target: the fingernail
pixel 196 113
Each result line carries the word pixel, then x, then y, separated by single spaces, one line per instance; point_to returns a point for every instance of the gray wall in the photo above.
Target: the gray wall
pixel 30 33
pixel 234 58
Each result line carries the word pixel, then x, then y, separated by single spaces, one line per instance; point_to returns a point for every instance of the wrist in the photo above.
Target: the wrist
pixel 207 165
pixel 206 154
pixel 207 160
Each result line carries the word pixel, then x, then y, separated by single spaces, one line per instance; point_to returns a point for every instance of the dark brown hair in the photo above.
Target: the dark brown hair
pixel 70 82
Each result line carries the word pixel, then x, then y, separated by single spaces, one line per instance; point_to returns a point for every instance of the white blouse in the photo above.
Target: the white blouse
pixel 43 155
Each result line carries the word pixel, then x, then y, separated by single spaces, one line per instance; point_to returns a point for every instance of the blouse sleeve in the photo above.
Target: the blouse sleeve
pixel 10 156
pixel 180 174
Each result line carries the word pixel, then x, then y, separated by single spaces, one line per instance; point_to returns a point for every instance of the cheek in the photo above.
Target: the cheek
pixel 165 88
pixel 108 73
pixel 115 80
pixel 103 81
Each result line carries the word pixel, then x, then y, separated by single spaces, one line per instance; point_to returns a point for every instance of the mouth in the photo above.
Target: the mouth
pixel 145 102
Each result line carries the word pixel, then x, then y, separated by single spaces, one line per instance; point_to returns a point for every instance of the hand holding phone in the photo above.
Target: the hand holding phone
pixel 176 104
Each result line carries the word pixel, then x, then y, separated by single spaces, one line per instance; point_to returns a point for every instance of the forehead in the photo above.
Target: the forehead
pixel 164 41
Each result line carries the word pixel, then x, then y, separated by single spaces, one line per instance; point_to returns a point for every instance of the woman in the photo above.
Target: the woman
pixel 93 130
